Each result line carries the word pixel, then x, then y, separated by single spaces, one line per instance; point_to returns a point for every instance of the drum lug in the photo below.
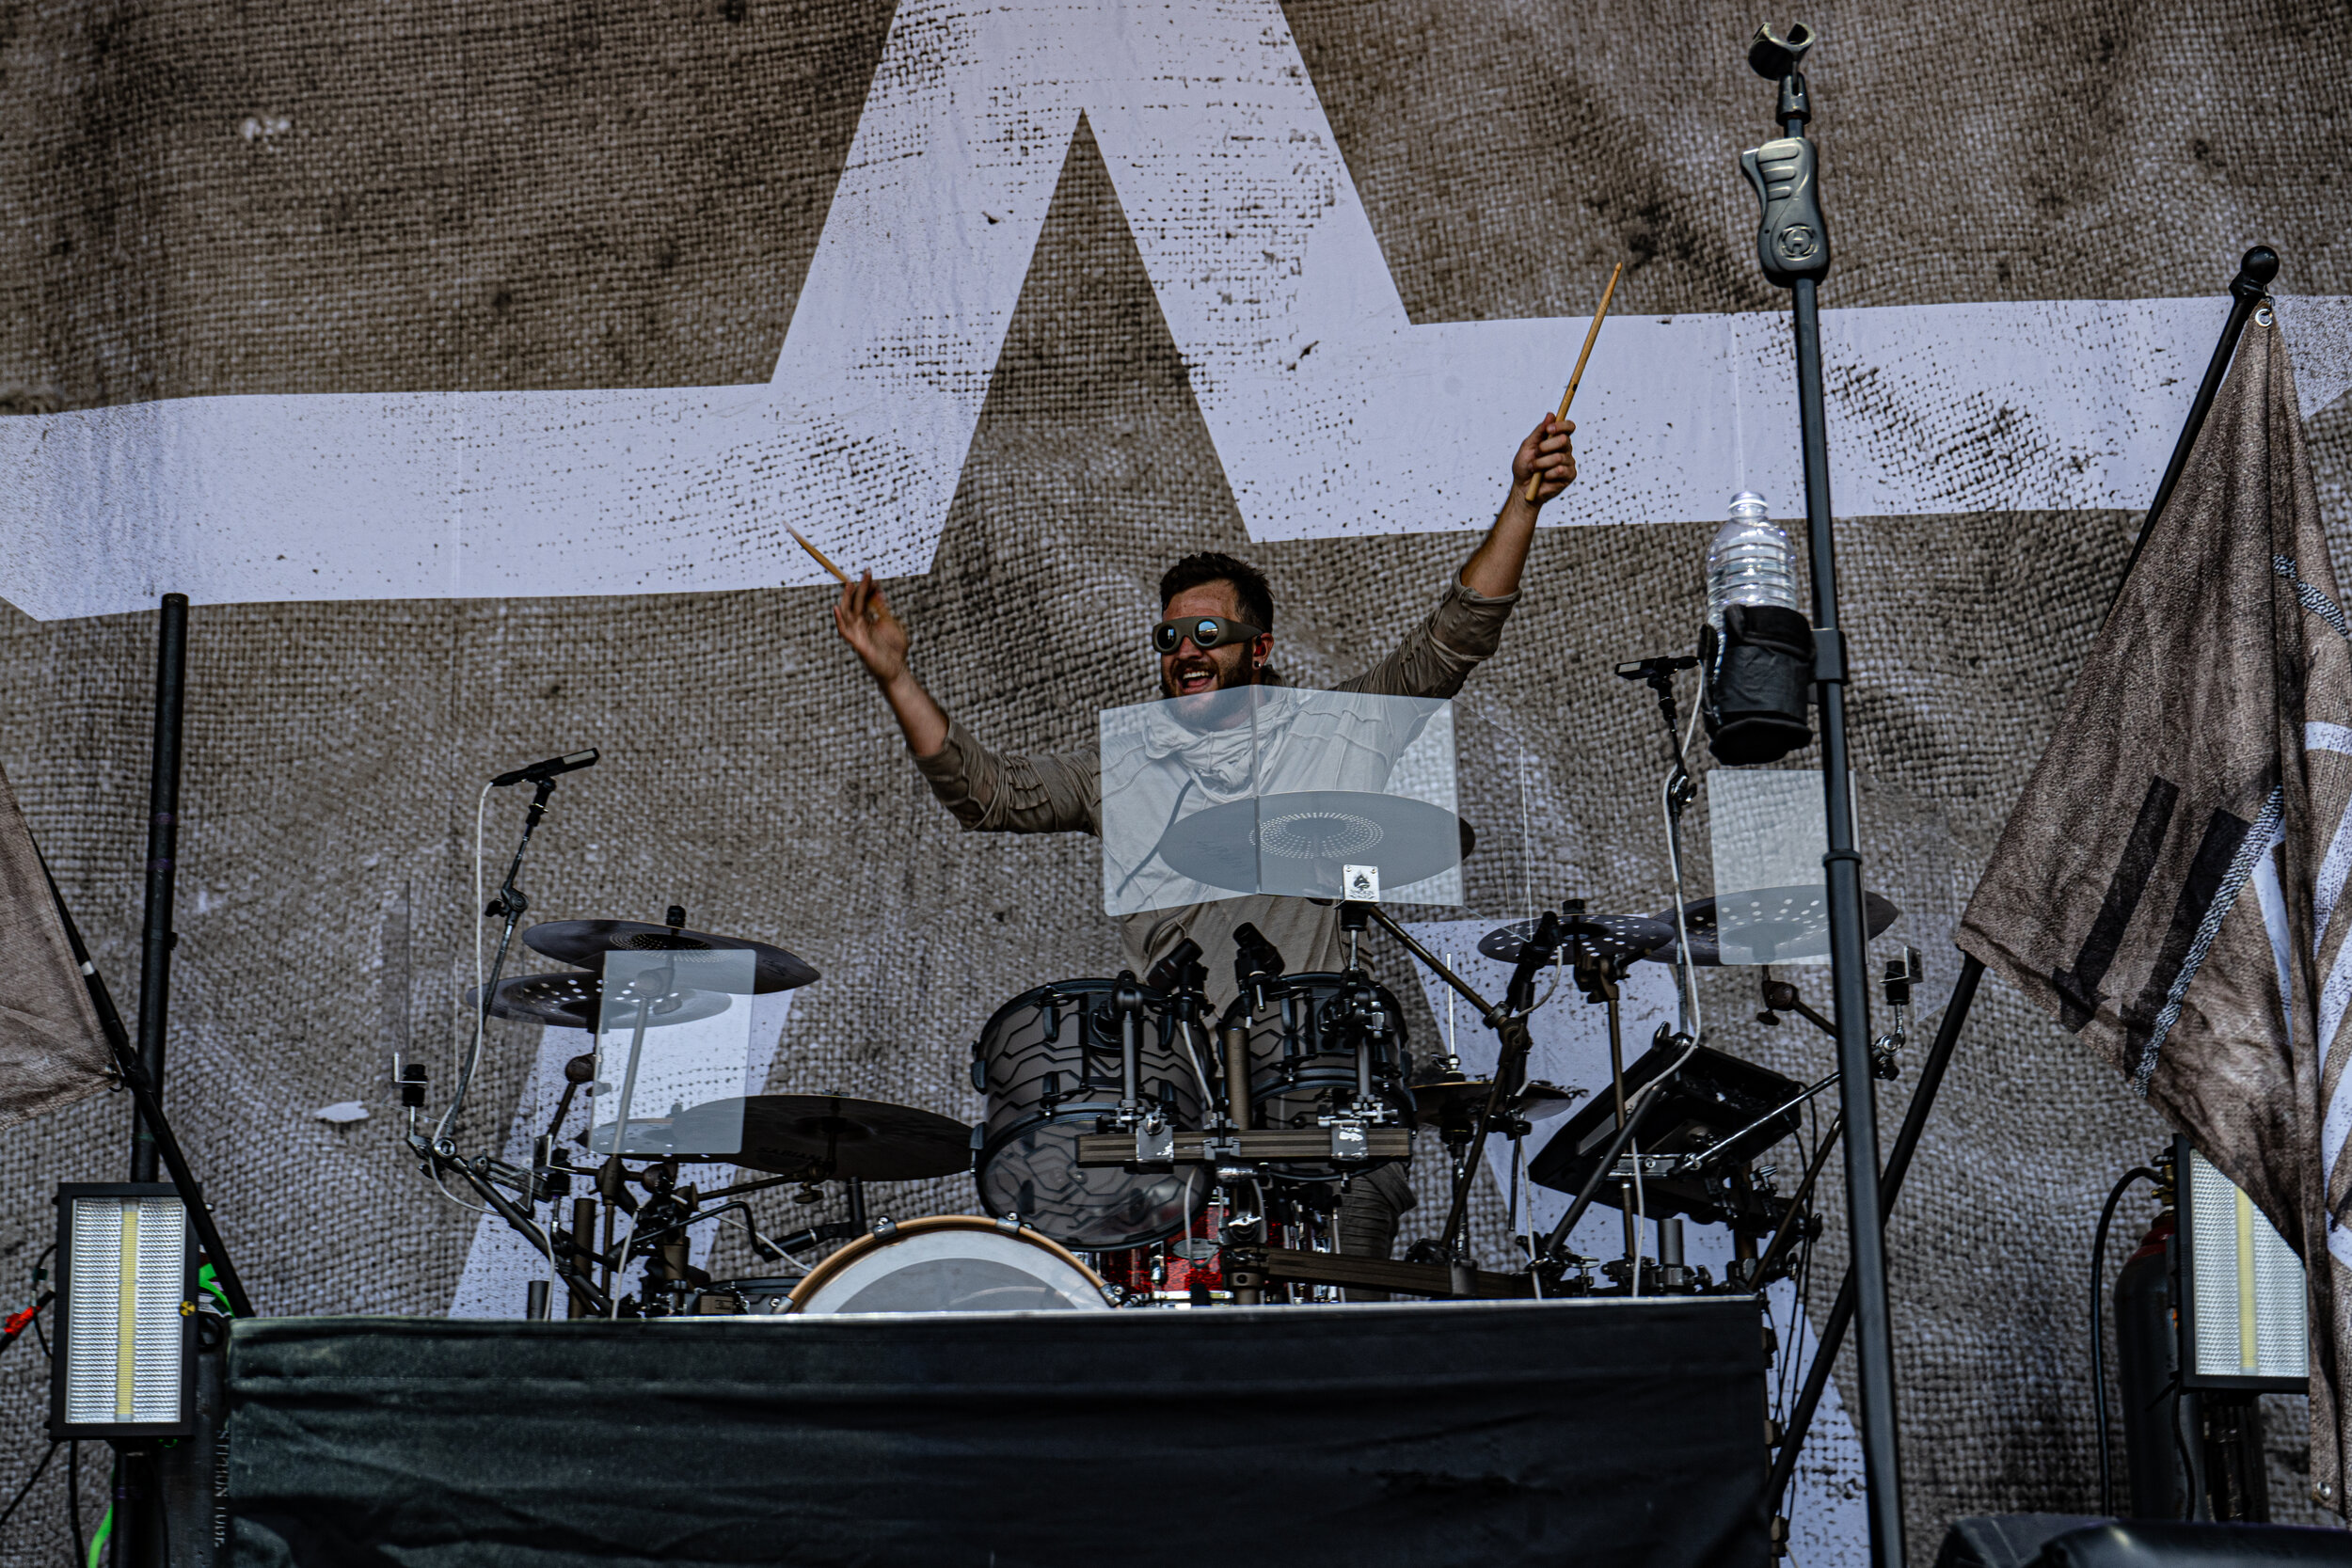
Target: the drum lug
pixel 1347 1138
pixel 1155 1142
pixel 886 1228
pixel 1008 1223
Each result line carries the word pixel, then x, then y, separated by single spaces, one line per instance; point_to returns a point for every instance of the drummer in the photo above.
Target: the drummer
pixel 1045 792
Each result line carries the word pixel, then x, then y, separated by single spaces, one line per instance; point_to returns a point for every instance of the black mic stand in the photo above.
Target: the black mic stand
pixel 1793 245
pixel 508 901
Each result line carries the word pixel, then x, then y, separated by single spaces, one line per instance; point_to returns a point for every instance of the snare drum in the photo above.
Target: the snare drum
pixel 950 1263
pixel 1302 1057
pixel 1169 1273
pixel 1049 1063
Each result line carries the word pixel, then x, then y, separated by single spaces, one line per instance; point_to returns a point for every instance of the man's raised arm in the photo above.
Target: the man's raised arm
pixel 1438 655
pixel 879 638
pixel 1493 569
pixel 986 790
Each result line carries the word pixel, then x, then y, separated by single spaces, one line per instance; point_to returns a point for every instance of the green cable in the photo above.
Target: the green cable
pixel 98 1541
pixel 206 1280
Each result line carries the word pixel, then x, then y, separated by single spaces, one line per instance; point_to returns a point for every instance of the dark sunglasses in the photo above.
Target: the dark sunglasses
pixel 1204 632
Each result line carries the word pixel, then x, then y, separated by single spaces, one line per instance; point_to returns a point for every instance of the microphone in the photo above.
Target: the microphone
pixel 1169 973
pixel 1256 961
pixel 540 772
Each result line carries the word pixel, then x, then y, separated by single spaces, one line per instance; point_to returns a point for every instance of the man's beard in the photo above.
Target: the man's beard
pixel 1223 677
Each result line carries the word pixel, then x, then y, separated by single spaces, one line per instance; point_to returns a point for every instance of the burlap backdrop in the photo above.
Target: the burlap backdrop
pixel 546 194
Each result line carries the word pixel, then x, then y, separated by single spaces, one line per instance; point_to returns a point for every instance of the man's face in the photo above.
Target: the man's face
pixel 1191 670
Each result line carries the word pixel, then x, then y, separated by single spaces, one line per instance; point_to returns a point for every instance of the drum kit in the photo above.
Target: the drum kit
pixel 1141 1147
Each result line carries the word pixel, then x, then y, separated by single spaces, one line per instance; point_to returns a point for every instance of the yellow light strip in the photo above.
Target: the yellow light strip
pixel 127 1314
pixel 2248 1355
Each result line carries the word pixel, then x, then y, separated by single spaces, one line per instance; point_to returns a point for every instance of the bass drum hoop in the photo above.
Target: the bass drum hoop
pixel 831 1267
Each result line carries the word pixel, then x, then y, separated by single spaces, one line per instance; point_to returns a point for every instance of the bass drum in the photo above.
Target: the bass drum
pixel 1302 1057
pixel 949 1264
pixel 1049 1063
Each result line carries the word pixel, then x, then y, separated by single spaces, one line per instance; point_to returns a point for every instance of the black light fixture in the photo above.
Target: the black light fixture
pixel 2241 1290
pixel 124 1364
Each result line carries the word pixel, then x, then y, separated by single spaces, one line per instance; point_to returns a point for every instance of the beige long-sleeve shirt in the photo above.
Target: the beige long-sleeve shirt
pixel 1048 792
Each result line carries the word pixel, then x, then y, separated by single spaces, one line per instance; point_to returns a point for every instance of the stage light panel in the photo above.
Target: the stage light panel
pixel 2242 1289
pixel 126 1312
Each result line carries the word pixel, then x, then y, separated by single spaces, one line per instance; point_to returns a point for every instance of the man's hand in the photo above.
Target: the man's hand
pixel 879 638
pixel 1494 567
pixel 1548 452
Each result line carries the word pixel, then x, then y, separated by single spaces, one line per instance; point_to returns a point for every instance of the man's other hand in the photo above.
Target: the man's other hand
pixel 1548 452
pixel 862 617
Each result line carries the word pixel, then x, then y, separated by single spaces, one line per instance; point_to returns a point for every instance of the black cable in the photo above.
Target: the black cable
pixel 10 1513
pixel 2098 1331
pixel 2180 1446
pixel 73 1502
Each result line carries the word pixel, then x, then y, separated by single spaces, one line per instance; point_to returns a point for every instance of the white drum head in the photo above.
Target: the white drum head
pixel 958 1271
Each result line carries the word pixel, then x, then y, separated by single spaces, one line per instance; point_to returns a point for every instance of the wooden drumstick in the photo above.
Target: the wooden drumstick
pixel 1574 377
pixel 843 578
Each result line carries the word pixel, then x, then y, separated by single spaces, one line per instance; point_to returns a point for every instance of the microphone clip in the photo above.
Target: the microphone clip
pixel 544 772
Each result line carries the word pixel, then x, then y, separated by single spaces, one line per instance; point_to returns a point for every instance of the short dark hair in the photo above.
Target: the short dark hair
pixel 1251 594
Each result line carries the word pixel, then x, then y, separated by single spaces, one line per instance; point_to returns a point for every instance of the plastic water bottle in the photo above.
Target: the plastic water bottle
pixel 1750 562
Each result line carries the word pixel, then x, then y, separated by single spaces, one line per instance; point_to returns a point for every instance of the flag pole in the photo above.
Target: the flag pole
pixel 1793 246
pixel 163 849
pixel 2255 269
pixel 142 1087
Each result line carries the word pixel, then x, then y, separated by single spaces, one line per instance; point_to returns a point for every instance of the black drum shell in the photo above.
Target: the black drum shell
pixel 1289 1090
pixel 1026 1157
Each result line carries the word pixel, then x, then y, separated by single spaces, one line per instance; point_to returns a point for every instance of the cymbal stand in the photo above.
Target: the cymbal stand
pixel 1597 977
pixel 635 995
pixel 551 1241
pixel 1676 796
pixel 1507 1018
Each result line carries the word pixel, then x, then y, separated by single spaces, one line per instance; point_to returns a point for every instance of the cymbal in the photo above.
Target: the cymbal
pixel 1771 925
pixel 1609 936
pixel 1457 1101
pixel 1300 844
pixel 1541 1101
pixel 585 943
pixel 827 1135
pixel 567 1000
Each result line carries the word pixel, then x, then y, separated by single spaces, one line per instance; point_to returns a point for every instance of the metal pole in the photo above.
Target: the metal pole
pixel 2255 269
pixel 163 849
pixel 1833 1335
pixel 1795 249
